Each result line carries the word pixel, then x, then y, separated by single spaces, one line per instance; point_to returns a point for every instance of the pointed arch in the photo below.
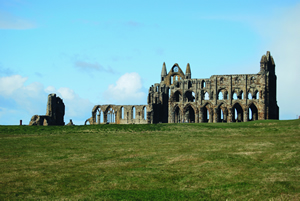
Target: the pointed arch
pixel 237 113
pixel 222 113
pixel 206 113
pixel 176 97
pixel 110 115
pixel 190 96
pixel 206 96
pixel 220 95
pixel 252 112
pixel 189 114
pixel 177 115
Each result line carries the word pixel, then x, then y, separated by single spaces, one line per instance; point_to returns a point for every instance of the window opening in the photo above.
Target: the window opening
pixel 220 96
pixel 122 112
pixel 234 97
pixel 193 96
pixel 206 96
pixel 249 96
pixel 145 113
pixel 133 112
pixel 203 84
pixel 111 116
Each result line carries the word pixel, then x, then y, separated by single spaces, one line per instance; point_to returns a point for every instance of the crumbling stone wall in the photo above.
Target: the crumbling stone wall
pixel 54 114
pixel 220 98
pixel 118 114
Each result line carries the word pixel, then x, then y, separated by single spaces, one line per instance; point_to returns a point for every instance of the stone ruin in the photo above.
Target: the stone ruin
pixel 54 115
pixel 221 98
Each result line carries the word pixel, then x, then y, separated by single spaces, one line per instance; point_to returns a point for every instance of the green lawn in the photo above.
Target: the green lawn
pixel 238 161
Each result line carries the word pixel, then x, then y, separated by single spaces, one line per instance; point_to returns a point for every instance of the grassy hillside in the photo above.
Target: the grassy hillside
pixel 237 161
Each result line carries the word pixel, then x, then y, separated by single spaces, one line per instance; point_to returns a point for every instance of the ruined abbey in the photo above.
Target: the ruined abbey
pixel 221 98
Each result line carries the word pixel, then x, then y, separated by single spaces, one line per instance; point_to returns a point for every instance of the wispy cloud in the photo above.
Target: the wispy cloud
pixel 88 67
pixel 5 71
pixel 132 23
pixel 10 21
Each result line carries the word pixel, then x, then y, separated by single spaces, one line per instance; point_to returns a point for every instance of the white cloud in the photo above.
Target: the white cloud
pixel 21 101
pixel 9 21
pixel 76 108
pixel 127 90
pixel 11 83
pixel 283 31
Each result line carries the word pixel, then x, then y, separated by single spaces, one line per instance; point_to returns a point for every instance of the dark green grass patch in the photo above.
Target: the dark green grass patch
pixel 256 160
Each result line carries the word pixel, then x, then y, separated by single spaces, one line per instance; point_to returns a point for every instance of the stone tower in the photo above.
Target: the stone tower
pixel 54 114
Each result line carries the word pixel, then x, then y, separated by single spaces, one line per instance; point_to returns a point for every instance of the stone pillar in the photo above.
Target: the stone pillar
pixel 98 120
pixel 216 115
pixel 225 114
pixel 170 116
pixel 246 115
pixel 201 115
pixel 211 115
pixel 229 117
pixel 104 117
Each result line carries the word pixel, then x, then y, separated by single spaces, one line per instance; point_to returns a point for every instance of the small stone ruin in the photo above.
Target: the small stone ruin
pixel 54 115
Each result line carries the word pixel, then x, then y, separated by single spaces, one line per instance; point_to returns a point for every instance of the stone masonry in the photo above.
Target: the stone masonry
pixel 54 114
pixel 221 98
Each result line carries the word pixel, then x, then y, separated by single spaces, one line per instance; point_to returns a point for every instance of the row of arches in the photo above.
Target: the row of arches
pixel 134 113
pixel 190 96
pixel 118 114
pixel 207 113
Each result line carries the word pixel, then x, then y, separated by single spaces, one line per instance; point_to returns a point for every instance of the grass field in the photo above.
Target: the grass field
pixel 257 160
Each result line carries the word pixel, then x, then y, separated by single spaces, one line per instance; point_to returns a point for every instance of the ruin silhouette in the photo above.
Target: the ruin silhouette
pixel 221 98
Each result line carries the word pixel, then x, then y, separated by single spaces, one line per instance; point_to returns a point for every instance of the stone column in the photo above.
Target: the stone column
pixel 246 115
pixel 211 115
pixel 104 117
pixel 216 115
pixel 201 115
pixel 98 120
pixel 225 115
pixel 229 117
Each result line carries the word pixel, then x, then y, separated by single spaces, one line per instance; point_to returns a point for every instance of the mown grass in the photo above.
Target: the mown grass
pixel 238 161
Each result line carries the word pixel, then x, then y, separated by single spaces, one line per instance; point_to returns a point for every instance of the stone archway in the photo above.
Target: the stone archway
pixel 237 113
pixel 177 115
pixel 252 113
pixel 189 115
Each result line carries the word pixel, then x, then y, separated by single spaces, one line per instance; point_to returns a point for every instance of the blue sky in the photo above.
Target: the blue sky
pixel 100 52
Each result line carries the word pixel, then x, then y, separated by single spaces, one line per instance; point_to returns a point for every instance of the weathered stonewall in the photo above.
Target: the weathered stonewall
pixel 54 114
pixel 180 98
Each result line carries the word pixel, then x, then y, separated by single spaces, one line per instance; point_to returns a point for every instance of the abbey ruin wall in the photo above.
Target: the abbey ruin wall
pixel 221 98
